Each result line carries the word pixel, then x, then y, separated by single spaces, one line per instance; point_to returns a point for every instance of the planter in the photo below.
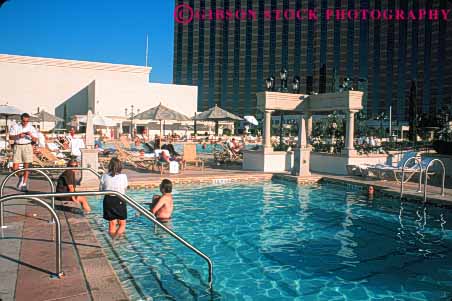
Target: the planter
pixel 443 147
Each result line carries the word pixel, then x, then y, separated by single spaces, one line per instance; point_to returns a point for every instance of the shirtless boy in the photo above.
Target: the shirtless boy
pixel 162 206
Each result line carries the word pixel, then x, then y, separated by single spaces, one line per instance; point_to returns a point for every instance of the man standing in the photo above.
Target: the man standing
pixel 23 135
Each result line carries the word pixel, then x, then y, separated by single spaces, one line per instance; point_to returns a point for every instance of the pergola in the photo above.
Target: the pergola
pixel 348 102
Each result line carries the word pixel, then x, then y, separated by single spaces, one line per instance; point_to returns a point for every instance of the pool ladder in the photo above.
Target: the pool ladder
pixel 51 208
pixel 423 173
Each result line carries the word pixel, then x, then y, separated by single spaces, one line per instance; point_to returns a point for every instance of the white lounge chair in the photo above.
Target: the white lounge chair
pixel 390 172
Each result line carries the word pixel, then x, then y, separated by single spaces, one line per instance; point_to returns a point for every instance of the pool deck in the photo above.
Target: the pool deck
pixel 27 249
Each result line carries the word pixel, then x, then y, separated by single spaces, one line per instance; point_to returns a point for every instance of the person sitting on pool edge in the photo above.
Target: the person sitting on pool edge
pixel 67 182
pixel 162 206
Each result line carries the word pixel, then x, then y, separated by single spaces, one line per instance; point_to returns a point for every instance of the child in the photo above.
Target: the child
pixel 162 206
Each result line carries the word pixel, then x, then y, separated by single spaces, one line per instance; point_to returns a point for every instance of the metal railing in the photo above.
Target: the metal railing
pixel 39 170
pixel 430 164
pixel 59 273
pixel 134 205
pixel 418 163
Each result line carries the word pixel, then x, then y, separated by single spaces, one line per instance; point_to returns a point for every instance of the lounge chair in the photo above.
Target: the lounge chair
pixel 190 155
pixel 45 158
pixel 146 163
pixel 223 154
pixel 389 172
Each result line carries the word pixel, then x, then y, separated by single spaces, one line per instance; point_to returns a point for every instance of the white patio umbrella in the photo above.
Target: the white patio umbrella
pixel 251 119
pixel 99 120
pixel 8 111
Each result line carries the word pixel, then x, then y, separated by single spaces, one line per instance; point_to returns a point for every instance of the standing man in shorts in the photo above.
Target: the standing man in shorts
pixel 23 135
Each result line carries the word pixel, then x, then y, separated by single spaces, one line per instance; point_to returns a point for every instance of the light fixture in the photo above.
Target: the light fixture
pixel 268 84
pixel 283 78
pixel 283 74
pixel 296 85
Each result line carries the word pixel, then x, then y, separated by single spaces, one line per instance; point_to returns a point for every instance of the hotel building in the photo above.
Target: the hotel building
pixel 230 60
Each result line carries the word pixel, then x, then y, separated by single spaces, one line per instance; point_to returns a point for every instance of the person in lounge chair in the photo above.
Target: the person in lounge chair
pixel 162 205
pixel 234 146
pixel 165 158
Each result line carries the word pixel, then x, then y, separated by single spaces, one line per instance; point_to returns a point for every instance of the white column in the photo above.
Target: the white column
pixel 308 126
pixel 301 166
pixel 302 141
pixel 349 148
pixel 267 129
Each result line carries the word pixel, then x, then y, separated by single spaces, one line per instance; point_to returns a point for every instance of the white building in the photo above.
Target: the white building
pixel 68 87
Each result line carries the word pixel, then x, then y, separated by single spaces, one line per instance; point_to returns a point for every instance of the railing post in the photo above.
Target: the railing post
pixel 58 250
pixel 426 177
pixel 403 175
pixel 129 201
pixel 2 187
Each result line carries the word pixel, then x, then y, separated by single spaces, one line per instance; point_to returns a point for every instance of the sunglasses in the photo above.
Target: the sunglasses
pixel 73 165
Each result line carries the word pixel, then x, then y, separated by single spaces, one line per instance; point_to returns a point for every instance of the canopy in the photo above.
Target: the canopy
pixel 161 112
pixel 100 121
pixel 216 114
pixel 47 117
pixel 7 111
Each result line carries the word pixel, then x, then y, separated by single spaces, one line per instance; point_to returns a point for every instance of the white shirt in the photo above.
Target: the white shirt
pixel 17 129
pixel 41 140
pixel 75 145
pixel 117 183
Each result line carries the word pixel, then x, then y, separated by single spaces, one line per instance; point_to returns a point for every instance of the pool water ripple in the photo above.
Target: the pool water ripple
pixel 275 240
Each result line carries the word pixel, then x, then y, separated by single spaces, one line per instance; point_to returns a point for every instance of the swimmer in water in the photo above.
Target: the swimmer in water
pixel 162 206
pixel 370 193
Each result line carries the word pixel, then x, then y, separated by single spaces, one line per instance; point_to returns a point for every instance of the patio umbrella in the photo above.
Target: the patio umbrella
pixel 43 116
pixel 216 114
pixel 99 120
pixel 251 119
pixel 8 111
pixel 161 113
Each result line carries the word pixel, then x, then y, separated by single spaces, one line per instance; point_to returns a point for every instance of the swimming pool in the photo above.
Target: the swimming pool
pixel 286 242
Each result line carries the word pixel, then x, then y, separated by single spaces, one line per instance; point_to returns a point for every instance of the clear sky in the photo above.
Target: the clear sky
pixel 94 30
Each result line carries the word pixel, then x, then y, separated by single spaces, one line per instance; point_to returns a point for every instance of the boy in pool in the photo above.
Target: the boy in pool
pixel 162 206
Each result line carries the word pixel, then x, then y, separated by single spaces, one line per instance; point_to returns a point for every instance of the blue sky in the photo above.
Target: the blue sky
pixel 95 30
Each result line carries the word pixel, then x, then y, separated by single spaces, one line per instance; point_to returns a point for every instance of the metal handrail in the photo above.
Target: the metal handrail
pixel 2 187
pixel 59 273
pixel 419 163
pixel 426 177
pixel 135 206
pixel 41 171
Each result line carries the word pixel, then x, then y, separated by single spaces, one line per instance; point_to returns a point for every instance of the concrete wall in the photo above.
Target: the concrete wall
pixel 29 82
pixel 77 104
pixel 336 164
pixel 268 162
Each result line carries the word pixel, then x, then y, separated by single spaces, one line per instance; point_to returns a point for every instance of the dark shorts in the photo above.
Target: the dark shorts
pixel 64 198
pixel 114 208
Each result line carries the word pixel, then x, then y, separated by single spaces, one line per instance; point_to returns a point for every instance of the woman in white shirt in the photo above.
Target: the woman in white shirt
pixel 115 210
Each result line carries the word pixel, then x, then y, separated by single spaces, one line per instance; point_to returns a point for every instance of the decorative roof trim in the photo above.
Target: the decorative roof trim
pixel 50 62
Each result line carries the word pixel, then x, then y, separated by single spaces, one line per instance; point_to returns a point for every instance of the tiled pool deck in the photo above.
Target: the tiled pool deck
pixel 27 249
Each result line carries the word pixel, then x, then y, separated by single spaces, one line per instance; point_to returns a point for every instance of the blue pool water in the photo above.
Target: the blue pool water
pixel 280 241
